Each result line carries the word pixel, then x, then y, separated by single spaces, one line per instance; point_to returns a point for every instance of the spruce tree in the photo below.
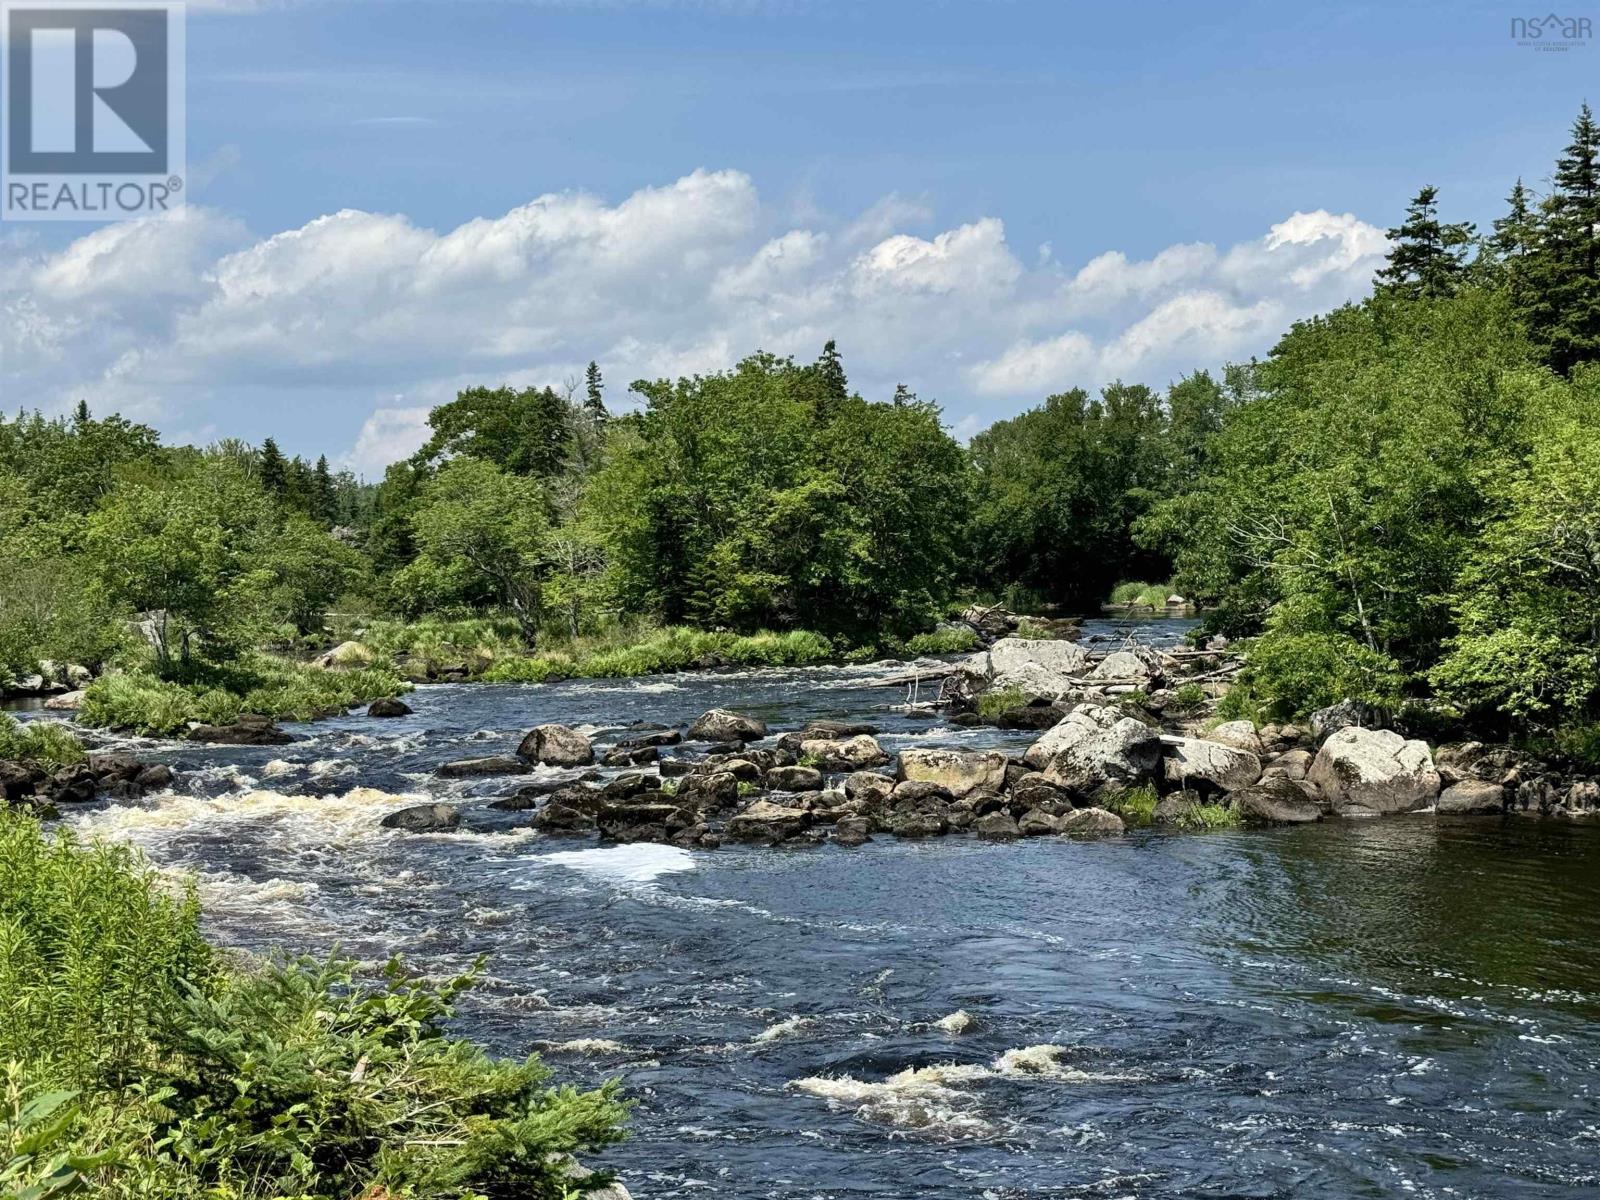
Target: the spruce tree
pixel 1427 257
pixel 594 401
pixel 1563 311
pixel 274 470
pixel 324 501
pixel 1510 248
pixel 834 388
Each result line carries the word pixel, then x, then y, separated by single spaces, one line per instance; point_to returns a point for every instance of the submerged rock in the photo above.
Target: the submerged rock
pixel 424 818
pixel 466 768
pixel 250 729
pixel 388 706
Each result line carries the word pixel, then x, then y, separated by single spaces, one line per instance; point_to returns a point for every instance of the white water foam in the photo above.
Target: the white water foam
pixel 635 862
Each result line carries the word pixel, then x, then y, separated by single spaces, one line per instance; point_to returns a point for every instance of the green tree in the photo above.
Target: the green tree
pixel 1426 257
pixel 593 392
pixel 481 537
pixel 273 470
pixel 523 432
pixel 1561 303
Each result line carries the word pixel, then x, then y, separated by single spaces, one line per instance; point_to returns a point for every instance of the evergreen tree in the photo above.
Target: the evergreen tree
pixel 1563 293
pixel 834 388
pixel 1427 257
pixel 324 501
pixel 594 402
pixel 904 395
pixel 274 470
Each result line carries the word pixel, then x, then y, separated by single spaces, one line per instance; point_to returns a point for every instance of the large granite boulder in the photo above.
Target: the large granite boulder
pixel 847 754
pixel 1277 800
pixel 1090 823
pixel 424 818
pixel 1370 772
pixel 1241 735
pixel 1208 766
pixel 720 725
pixel 1094 747
pixel 766 821
pixel 472 768
pixel 1471 796
pixel 556 746
pixel 959 772
pixel 249 729
pixel 388 706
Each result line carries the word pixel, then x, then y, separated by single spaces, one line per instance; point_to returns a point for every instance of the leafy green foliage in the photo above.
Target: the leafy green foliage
pixel 676 648
pixel 991 704
pixel 47 742
pixel 1135 805
pixel 1289 674
pixel 123 1029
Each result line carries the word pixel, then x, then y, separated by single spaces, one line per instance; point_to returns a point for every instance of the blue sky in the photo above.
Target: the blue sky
pixel 836 143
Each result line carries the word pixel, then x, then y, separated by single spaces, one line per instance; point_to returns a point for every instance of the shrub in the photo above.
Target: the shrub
pixel 954 639
pixel 1141 595
pixel 1135 805
pixel 1188 698
pixel 1288 674
pixel 992 704
pixel 50 743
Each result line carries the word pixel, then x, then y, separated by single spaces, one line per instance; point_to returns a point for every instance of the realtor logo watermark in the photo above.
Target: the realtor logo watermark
pixel 1551 32
pixel 92 127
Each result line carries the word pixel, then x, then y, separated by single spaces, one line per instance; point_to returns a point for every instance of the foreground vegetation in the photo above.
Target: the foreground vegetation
pixel 141 1062
pixel 1398 505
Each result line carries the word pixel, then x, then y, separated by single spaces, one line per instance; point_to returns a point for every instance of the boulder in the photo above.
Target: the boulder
pixel 346 655
pixel 1343 715
pixel 958 772
pixel 556 746
pixel 630 756
pixel 919 792
pixel 1093 747
pixel 1029 716
pixel 469 768
pixel 1034 666
pixel 1037 823
pixel 794 779
pixel 852 831
pixel 1209 766
pixel 1127 666
pixel 1277 800
pixel 1471 796
pixel 1089 823
pixel 996 826
pixel 1241 735
pixel 17 782
pixel 647 822
pixel 1583 796
pixel 713 791
pixel 1291 764
pixel 720 725
pixel 388 706
pixel 850 754
pixel 835 730
pixel 742 769
pixel 155 777
pixel 1369 772
pixel 65 701
pixel 869 787
pixel 765 821
pixel 250 729
pixel 423 818
pixel 661 737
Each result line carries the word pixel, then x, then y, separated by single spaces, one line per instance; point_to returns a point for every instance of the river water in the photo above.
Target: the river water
pixel 1398 1007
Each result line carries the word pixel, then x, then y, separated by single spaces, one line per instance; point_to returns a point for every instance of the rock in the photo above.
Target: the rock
pixel 996 826
pixel 17 782
pixel 1534 795
pixel 67 700
pixel 467 768
pixel 1037 823
pixel 1188 762
pixel 650 822
pixel 1276 800
pixel 1033 666
pixel 1090 822
pixel 1127 666
pixel 1241 735
pixel 1343 715
pixel 1291 764
pixel 1034 791
pixel 851 754
pixel 557 816
pixel 556 746
pixel 671 768
pixel 794 779
pixel 424 818
pixel 720 725
pixel 868 786
pixel 959 772
pixel 1471 796
pixel 918 792
pixel 1093 747
pixel 836 731
pixel 630 756
pixel 346 655
pixel 1028 716
pixel 765 821
pixel 155 777
pixel 630 784
pixel 1369 772
pixel 1583 796
pixel 742 769
pixel 637 741
pixel 388 706
pixel 852 831
pixel 250 729
pixel 917 823
pixel 714 791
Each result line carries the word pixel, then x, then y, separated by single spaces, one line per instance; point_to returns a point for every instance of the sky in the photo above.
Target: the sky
pixel 987 200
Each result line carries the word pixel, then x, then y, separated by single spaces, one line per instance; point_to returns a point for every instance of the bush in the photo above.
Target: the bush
pixel 955 639
pixel 1287 675
pixel 295 1079
pixel 145 703
pixel 992 704
pixel 1141 595
pixel 676 648
pixel 1135 805
pixel 50 743
pixel 1188 698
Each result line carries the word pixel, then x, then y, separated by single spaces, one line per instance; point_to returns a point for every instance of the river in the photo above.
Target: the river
pixel 1397 1007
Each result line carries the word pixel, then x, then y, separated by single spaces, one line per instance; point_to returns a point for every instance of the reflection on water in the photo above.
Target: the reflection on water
pixel 1396 1007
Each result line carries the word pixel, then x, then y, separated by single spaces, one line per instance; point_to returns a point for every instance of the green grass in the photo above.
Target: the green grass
pixel 1142 595
pixel 1199 817
pixel 145 703
pixel 955 640
pixel 49 743
pixel 1188 698
pixel 676 648
pixel 144 1065
pixel 1135 805
pixel 992 704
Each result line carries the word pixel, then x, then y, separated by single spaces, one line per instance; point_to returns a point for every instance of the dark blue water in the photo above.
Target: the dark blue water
pixel 1400 1007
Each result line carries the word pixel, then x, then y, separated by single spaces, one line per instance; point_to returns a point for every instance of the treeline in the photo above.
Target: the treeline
pixel 1399 502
